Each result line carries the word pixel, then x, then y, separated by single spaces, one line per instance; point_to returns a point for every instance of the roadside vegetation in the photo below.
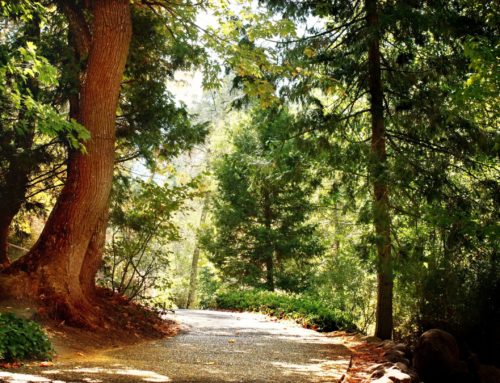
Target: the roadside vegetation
pixel 306 311
pixel 22 339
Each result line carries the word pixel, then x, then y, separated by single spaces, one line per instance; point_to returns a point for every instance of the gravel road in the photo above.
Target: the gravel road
pixel 213 346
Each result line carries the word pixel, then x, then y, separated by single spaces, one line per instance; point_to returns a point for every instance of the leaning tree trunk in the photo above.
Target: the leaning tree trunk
pixel 381 213
pixel 54 265
pixel 16 184
pixel 11 201
pixel 193 278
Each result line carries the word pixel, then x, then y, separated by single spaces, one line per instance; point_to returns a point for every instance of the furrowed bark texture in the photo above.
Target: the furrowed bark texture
pixel 384 322
pixel 57 260
pixel 93 257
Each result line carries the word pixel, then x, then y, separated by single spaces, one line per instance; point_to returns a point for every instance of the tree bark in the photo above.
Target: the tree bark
pixel 14 190
pixel 336 231
pixel 12 199
pixel 54 265
pixel 193 278
pixel 269 256
pixel 381 214
pixel 4 245
pixel 93 257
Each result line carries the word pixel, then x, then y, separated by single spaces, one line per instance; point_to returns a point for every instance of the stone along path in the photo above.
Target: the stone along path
pixel 214 347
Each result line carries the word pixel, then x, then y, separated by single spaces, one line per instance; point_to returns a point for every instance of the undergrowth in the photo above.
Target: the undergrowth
pixel 22 339
pixel 304 310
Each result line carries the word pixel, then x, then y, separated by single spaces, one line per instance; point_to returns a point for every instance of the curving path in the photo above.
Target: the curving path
pixel 213 347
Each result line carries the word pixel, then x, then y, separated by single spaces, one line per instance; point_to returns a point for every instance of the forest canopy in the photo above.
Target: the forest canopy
pixel 339 159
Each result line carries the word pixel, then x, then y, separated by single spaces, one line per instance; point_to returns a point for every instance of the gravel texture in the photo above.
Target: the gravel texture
pixel 213 346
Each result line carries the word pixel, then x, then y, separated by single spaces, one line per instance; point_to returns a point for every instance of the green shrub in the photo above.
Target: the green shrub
pixel 304 310
pixel 22 339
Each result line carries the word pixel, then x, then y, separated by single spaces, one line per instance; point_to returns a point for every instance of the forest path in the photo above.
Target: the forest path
pixel 213 346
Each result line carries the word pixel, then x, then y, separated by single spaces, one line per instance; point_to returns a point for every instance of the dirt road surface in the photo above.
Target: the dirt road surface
pixel 213 346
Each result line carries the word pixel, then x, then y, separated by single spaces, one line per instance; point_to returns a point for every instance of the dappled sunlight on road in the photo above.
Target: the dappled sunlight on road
pixel 146 376
pixel 79 374
pixel 11 377
pixel 317 368
pixel 214 347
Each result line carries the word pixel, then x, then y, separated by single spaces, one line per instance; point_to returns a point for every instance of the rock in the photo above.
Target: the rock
pixel 398 376
pixel 396 356
pixel 402 366
pixel 404 349
pixel 377 374
pixel 488 374
pixel 371 339
pixel 383 379
pixel 387 344
pixel 380 366
pixel 437 358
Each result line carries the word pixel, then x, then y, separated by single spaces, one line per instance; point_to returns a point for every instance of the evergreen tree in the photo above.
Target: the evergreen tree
pixel 262 206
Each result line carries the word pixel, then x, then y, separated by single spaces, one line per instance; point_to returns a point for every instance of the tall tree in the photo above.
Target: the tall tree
pixel 33 127
pixel 55 262
pixel 260 226
pixel 381 214
pixel 373 71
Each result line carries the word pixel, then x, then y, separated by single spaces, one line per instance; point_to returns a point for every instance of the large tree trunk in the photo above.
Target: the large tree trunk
pixel 381 213
pixel 54 265
pixel 193 278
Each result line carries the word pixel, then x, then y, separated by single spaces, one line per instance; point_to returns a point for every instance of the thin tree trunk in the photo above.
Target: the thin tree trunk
pixel 270 272
pixel 54 265
pixel 336 231
pixel 193 278
pixel 384 321
pixel 269 256
pixel 13 195
pixel 4 245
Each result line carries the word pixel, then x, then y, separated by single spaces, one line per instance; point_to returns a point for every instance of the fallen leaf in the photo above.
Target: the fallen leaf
pixel 232 340
pixel 46 364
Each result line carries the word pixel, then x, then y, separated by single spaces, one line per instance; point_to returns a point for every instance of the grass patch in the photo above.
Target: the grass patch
pixel 306 311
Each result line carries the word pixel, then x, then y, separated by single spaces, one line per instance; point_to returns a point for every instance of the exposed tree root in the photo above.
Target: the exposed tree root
pixel 103 311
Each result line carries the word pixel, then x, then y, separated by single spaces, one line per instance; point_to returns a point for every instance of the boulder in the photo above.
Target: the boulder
pixel 437 358
pixel 488 374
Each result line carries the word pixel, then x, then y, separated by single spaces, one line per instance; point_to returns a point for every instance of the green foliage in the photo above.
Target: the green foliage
pixel 261 234
pixel 136 256
pixel 151 124
pixel 307 311
pixel 208 286
pixel 21 71
pixel 22 339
